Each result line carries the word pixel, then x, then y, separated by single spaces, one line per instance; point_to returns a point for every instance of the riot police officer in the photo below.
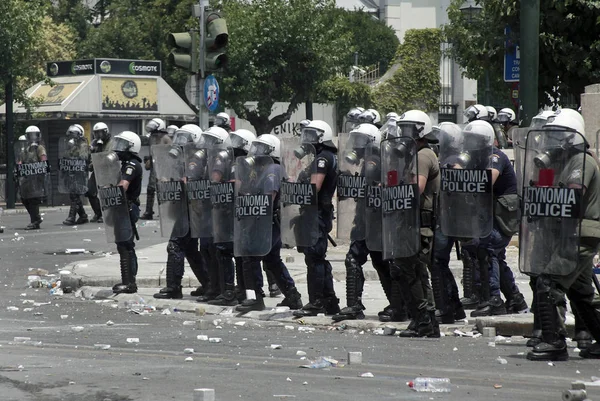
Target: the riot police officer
pixel 157 132
pixel 322 298
pixel 413 256
pixel 558 247
pixel 370 116
pixel 100 142
pixel 31 170
pixel 359 219
pixel 171 130
pixel 119 180
pixel 184 246
pixel 223 120
pixel 257 234
pixel 72 149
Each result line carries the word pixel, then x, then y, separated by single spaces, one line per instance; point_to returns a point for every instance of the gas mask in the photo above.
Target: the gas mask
pixel 301 152
pixel 112 156
pixel 355 156
pixel 464 159
pixel 545 159
pixel 175 151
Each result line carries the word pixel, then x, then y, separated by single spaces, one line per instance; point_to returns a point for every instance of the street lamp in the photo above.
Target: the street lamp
pixel 471 11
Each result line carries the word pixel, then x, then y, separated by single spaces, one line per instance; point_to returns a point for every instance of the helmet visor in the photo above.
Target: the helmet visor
pixel 471 113
pixel 219 121
pixel 171 130
pixel 411 129
pixel 237 142
pixel 260 149
pixel 504 118
pixel 207 140
pixel 99 133
pixel 538 123
pixel 182 137
pixel 358 140
pixel 73 132
pixel 33 136
pixel 311 135
pixel 121 145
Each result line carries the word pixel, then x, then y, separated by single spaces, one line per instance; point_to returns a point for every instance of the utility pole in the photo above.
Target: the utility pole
pixel 10 154
pixel 529 42
pixel 202 110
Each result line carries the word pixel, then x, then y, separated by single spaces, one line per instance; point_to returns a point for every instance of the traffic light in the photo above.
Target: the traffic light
pixel 185 51
pixel 216 41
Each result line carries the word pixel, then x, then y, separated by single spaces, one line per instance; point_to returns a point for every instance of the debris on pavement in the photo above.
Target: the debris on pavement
pixel 321 363
pixel 501 361
pixel 367 374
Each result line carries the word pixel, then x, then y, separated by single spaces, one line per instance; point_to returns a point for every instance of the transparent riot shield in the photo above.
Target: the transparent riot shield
pixel 73 160
pixel 255 177
pixel 168 162
pixel 466 198
pixel 518 137
pixel 221 170
pixel 400 198
pixel 115 208
pixel 351 186
pixel 298 200
pixel 198 191
pixel 553 179
pixel 32 172
pixel 372 212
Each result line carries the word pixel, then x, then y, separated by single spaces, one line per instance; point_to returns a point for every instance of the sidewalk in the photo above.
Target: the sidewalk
pixel 99 275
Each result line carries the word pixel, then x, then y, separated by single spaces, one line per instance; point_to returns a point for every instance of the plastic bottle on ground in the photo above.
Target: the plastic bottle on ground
pixel 430 385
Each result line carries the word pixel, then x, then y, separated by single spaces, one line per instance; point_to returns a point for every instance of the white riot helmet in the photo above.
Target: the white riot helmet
pixel 369 116
pixel 479 134
pixel 156 125
pixel 172 129
pixel 75 131
pixel 127 141
pixel 450 135
pixel 476 112
pixel 22 138
pixel 537 122
pixel 33 133
pixel 507 115
pixel 571 120
pixel 187 134
pixel 417 125
pixel 241 139
pixel 266 145
pixel 100 131
pixel 304 123
pixel 223 120
pixel 359 139
pixel 213 136
pixel 492 114
pixel 352 115
pixel 318 132
pixel 392 115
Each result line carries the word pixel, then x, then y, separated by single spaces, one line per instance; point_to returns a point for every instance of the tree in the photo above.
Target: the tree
pixel 373 41
pixel 345 95
pixel 416 82
pixel 569 43
pixel 280 50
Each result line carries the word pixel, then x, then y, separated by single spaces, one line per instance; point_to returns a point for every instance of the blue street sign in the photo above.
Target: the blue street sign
pixel 512 58
pixel 211 93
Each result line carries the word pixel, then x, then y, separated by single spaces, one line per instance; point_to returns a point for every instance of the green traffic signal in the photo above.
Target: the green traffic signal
pixel 185 50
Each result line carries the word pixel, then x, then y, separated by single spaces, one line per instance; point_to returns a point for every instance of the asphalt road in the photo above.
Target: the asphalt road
pixel 62 363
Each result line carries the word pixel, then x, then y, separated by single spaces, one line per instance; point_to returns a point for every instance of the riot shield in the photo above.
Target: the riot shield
pixel 466 198
pixel 32 172
pixel 518 137
pixel 372 212
pixel 168 162
pixel 299 209
pixel 73 159
pixel 552 203
pixel 351 186
pixel 198 191
pixel 255 177
pixel 220 169
pixel 115 208
pixel 400 198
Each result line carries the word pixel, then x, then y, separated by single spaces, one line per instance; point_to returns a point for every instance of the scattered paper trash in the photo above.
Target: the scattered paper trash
pixel 202 337
pixel 77 329
pixel 300 353
pixel 367 374
pixel 321 363
pixel 69 251
pixel 497 386
pixel 240 323
pixel 214 340
pixel 102 346
pixel 501 361
pixel 189 359
pixel 276 346
pixel 188 351
pixel 133 340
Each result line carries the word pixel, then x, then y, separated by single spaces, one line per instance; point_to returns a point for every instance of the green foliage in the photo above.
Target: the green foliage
pixel 373 40
pixel 416 82
pixel 280 50
pixel 345 95
pixel 569 43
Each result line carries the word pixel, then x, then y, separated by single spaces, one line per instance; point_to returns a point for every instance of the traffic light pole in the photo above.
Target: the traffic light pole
pixel 530 39
pixel 202 110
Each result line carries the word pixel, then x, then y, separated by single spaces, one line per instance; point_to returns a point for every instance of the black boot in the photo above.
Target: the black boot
pixel 83 217
pixel 424 325
pixel 199 270
pixel 536 335
pixel 487 305
pixel 582 335
pixel 292 300
pixel 590 317
pixel 127 285
pixel 173 288
pixel 311 309
pixel 274 290
pixel 214 289
pixel 471 298
pixel 251 305
pixel 516 304
pixel 445 311
pixel 95 204
pixel 149 206
pixel 494 307
pixel 354 287
pixel 551 306
pixel 227 298
pixel 396 311
pixel 70 220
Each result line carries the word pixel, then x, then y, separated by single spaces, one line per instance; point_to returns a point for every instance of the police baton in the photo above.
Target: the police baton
pixel 331 240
